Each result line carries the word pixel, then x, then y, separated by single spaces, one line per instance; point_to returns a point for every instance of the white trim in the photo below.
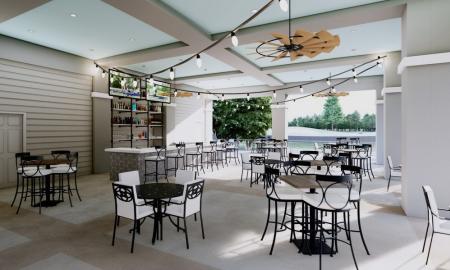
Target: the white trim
pixel 379 101
pixel 101 95
pixel 169 104
pixel 391 90
pixel 421 60
pixel 277 106
pixel 24 128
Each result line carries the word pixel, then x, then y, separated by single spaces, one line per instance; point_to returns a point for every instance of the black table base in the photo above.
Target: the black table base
pixel 306 248
pixel 46 203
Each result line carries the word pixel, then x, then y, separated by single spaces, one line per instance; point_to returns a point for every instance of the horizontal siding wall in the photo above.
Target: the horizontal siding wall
pixel 58 107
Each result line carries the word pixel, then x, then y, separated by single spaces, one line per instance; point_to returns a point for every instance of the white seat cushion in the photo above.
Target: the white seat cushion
pixel 287 193
pixel 175 210
pixel 59 165
pixel 62 170
pixel 35 173
pixel 20 169
pixel 335 200
pixel 396 173
pixel 143 211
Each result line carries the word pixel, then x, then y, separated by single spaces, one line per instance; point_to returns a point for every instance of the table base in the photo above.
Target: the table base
pixel 307 249
pixel 46 203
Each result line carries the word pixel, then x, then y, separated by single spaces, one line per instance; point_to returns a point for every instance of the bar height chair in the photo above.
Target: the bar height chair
pixel 196 158
pixel 19 171
pixel 180 155
pixel 160 158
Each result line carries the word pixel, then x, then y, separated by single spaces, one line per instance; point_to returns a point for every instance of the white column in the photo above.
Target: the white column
pixel 425 73
pixel 379 128
pixel 279 119
pixel 208 108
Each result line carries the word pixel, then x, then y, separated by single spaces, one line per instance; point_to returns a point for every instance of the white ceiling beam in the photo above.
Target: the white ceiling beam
pixel 211 76
pixel 12 8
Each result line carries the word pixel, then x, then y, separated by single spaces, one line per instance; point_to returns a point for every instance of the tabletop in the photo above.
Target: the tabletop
pixel 307 181
pixel 49 161
pixel 159 191
pixel 273 161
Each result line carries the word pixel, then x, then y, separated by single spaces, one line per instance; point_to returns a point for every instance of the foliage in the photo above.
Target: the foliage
pixel 242 119
pixel 332 117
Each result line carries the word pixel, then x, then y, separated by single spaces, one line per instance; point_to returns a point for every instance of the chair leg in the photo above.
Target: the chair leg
pixel 389 182
pixel 40 195
pixel 134 235
pixel 426 234
pixel 275 228
pixel 17 190
pixel 116 222
pixel 242 174
pixel 76 186
pixel 360 228
pixel 429 249
pixel 186 233
pixel 201 223
pixel 350 241
pixel 68 191
pixel 267 221
pixel 21 194
pixel 284 216
pixel 178 224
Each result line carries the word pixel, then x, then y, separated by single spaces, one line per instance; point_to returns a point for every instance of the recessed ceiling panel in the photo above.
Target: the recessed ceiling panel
pixel 316 74
pixel 209 65
pixel 369 38
pixel 240 81
pixel 89 28
pixel 216 16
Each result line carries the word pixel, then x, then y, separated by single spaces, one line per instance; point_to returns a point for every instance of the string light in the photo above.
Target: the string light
pixel 134 82
pixel 333 89
pixel 175 93
pixel 234 39
pixel 355 79
pixel 284 6
pixel 262 107
pixel 103 74
pixel 172 74
pixel 248 96
pixel 354 72
pixel 301 89
pixel 152 82
pixel 122 82
pixel 199 61
pixel 248 107
pixel 328 81
pixel 274 94
pixel 379 64
pixel 223 97
pixel 198 95
pixel 97 68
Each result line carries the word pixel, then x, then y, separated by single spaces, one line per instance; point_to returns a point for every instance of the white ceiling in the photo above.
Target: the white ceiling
pixel 231 82
pixel 97 31
pixel 216 16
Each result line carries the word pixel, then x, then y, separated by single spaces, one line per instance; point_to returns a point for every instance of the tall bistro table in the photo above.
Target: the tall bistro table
pixel 49 202
pixel 311 245
pixel 157 192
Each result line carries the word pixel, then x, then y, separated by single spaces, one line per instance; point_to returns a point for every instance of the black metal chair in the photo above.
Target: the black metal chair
pixel 309 155
pixel 179 155
pixel 159 158
pixel 196 162
pixel 69 169
pixel 211 156
pixel 221 153
pixel 361 159
pixel 258 169
pixel 370 149
pixel 332 162
pixel 19 170
pixel 299 167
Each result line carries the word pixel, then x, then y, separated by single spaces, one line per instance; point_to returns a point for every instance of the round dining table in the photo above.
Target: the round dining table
pixel 156 193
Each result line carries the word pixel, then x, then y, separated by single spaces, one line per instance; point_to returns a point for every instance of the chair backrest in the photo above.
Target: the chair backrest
pixel 72 162
pixel 32 161
pixel 308 155
pixel 271 177
pixel 258 165
pixel 432 207
pixel 160 152
pixel 292 157
pixel 335 190
pixel 298 167
pixel 193 197
pixel 60 154
pixel 213 146
pixel 356 172
pixel 346 157
pixel 124 200
pixel 245 157
pixel 274 155
pixel 130 179
pixel 184 176
pixel 199 147
pixel 19 158
pixel 389 159
pixel 331 162
pixel 181 149
pixel 363 151
pixel 369 148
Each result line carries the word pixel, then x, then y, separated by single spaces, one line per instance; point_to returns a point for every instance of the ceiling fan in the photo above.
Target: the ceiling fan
pixel 302 43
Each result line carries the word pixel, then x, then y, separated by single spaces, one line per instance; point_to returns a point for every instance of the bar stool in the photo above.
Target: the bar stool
pixel 159 158
pixel 221 153
pixel 19 171
pixel 210 156
pixel 196 158
pixel 369 147
pixel 232 151
pixel 180 155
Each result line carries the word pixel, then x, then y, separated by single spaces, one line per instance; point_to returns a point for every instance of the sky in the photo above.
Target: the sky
pixel 361 101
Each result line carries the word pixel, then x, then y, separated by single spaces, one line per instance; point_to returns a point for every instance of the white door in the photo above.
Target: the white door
pixel 11 137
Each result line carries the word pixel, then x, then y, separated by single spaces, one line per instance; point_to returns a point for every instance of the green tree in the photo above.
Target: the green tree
pixel 368 122
pixel 242 119
pixel 332 112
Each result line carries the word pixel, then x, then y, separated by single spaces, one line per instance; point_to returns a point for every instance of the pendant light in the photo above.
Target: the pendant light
pixel 198 95
pixel 234 39
pixel 172 74
pixel 96 68
pixel 223 97
pixel 103 74
pixel 355 79
pixel 301 89
pixel 328 81
pixel 151 81
pixel 284 6
pixel 198 61
pixel 248 96
pixel 354 72
pixel 333 90
pixel 274 94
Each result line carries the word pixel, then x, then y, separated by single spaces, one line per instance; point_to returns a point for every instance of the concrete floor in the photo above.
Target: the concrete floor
pixel 80 237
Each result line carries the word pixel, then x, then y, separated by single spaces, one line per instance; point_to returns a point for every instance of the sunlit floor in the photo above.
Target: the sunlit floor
pixel 234 214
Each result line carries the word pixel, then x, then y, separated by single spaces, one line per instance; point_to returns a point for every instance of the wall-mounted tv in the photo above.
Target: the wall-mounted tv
pixel 159 91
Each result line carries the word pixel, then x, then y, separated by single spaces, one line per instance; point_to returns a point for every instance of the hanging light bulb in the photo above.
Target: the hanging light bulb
pixel 248 96
pixel 262 107
pixel 301 89
pixel 122 82
pixel 198 61
pixel 172 74
pixel 274 94
pixel 248 107
pixel 134 82
pixel 294 100
pixel 175 93
pixel 223 97
pixel 354 72
pixel 328 81
pixel 355 79
pixel 283 5
pixel 379 64
pixel 333 89
pixel 97 68
pixel 234 39
pixel 151 81
pixel 103 74
pixel 198 95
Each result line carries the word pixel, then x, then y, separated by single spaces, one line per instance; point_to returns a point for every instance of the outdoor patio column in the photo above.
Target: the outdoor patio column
pixel 379 127
pixel 279 119
pixel 392 111
pixel 425 71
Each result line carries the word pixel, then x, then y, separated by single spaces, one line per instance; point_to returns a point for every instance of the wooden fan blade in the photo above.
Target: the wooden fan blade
pixel 322 49
pixel 282 38
pixel 281 55
pixel 302 36
pixel 293 55
pixel 309 53
pixel 335 40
